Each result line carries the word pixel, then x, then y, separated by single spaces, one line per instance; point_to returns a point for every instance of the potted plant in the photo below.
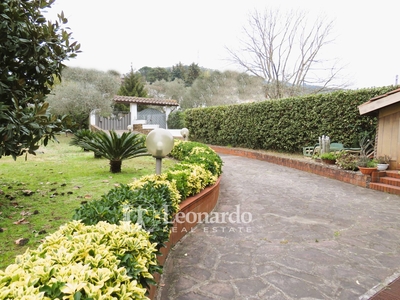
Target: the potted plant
pixel 383 162
pixel 328 158
pixel 366 164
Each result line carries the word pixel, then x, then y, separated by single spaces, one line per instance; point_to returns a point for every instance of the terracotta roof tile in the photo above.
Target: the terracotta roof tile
pixel 141 100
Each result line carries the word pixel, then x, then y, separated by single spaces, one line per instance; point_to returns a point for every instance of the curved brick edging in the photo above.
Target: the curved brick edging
pixel 201 204
pixel 352 177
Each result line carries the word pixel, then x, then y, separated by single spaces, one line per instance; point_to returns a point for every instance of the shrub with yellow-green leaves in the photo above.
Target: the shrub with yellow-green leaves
pixel 158 181
pixel 103 261
pixel 190 179
pixel 197 154
pixel 200 167
pixel 104 256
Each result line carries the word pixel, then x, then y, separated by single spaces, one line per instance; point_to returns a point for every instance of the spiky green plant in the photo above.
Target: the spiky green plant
pixel 115 147
pixel 81 135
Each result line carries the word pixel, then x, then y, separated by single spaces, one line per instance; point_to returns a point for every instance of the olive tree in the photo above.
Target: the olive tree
pixel 32 52
pixel 83 90
pixel 211 88
pixel 222 88
pixel 162 89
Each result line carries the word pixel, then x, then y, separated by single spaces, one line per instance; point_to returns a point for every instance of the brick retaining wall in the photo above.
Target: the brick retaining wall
pixel 310 166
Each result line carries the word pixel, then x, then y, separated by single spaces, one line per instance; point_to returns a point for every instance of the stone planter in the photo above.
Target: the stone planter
pixel 382 167
pixel 328 161
pixel 367 171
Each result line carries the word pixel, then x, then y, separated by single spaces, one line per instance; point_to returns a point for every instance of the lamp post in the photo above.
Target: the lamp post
pixel 159 143
pixel 185 134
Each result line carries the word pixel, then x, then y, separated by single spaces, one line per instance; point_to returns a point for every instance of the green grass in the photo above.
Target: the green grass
pixel 60 177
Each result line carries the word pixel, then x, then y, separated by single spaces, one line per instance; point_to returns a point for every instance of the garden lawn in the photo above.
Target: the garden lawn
pixel 39 194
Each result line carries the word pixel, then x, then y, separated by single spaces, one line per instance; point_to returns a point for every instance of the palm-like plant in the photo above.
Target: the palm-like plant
pixel 79 136
pixel 116 147
pixel 367 151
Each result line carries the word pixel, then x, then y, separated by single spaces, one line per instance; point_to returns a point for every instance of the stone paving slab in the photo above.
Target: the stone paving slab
pixel 300 236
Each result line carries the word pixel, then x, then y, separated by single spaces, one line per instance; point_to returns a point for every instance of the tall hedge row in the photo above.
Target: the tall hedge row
pixel 285 125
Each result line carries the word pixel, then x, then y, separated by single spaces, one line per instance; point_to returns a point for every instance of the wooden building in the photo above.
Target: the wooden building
pixel 387 108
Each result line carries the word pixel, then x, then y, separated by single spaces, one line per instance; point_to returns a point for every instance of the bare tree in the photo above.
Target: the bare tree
pixel 284 49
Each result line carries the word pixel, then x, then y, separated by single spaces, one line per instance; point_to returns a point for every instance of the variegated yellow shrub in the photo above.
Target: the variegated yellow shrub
pixel 94 259
pixel 81 262
pixel 159 180
pixel 200 167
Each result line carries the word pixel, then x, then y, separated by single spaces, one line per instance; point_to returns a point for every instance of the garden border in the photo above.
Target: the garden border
pixel 306 165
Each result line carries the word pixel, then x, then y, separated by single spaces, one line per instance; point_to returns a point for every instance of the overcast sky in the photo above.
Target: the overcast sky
pixel 161 33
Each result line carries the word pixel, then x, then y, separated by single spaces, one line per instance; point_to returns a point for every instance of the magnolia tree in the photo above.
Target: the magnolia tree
pixel 32 52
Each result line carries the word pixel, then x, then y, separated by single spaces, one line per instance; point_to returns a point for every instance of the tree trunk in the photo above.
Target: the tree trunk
pixel 115 166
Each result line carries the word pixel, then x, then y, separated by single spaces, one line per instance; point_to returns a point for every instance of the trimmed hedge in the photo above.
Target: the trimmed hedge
pixel 176 120
pixel 285 125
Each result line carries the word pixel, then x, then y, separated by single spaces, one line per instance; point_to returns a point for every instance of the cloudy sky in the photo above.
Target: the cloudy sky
pixel 161 33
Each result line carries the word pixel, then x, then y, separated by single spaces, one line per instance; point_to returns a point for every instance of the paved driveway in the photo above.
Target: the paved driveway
pixel 286 234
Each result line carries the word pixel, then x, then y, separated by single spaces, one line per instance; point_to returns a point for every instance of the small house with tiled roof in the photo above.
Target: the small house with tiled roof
pixel 387 108
pixel 130 120
pixel 168 105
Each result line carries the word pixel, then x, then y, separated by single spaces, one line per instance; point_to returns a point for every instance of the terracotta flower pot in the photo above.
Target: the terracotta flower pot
pixel 367 171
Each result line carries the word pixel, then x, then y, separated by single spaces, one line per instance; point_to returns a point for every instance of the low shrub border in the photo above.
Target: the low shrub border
pixel 111 248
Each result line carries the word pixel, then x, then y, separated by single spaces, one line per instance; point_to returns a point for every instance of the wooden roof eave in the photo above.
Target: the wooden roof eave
pixel 372 106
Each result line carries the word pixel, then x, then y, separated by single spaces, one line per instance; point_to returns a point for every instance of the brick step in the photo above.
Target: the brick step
pixel 393 173
pixel 390 180
pixel 383 187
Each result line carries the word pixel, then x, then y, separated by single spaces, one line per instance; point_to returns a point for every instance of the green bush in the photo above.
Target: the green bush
pixel 80 136
pixel 200 167
pixel 285 125
pixel 152 206
pixel 372 163
pixel 328 156
pixel 176 120
pixel 190 179
pixel 347 161
pixel 198 153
